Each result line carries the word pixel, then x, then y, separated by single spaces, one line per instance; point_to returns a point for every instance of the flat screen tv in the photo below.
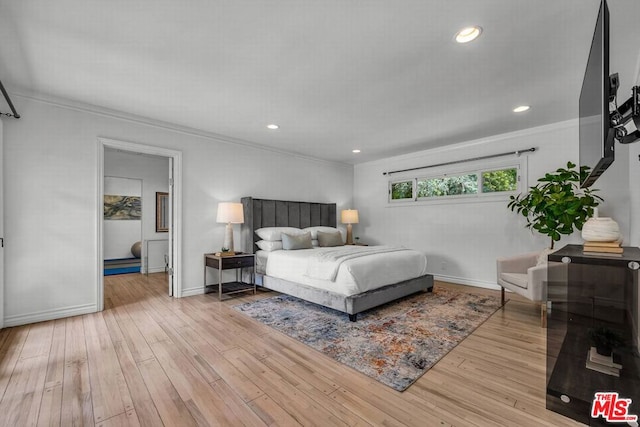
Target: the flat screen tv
pixel 596 133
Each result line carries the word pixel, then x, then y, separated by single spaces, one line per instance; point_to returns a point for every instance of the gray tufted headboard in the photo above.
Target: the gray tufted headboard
pixel 260 213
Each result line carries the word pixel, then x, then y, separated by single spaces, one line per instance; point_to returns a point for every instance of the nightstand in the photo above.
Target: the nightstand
pixel 229 262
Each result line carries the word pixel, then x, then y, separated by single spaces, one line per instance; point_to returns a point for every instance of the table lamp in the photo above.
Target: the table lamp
pixel 349 216
pixel 229 213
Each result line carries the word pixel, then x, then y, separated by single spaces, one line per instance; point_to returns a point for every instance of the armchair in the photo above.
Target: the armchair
pixel 522 274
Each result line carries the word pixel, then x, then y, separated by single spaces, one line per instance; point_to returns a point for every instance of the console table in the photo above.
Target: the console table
pixel 586 291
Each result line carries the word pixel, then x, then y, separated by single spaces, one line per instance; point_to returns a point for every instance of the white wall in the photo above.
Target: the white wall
pixel 153 172
pixel 463 240
pixel 613 187
pixel 634 193
pixel 634 178
pixel 634 201
pixel 51 206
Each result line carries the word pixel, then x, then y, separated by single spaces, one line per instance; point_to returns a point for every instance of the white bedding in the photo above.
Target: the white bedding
pixel 261 261
pixel 356 269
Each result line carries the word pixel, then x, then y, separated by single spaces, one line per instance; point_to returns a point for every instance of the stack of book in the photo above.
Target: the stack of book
pixel 604 247
pixel 604 364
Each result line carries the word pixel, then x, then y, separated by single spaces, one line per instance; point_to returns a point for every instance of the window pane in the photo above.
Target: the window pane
pixel 500 180
pixel 448 186
pixel 402 190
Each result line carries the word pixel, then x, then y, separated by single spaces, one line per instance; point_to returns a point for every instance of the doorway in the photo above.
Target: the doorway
pixel 126 186
pixel 173 212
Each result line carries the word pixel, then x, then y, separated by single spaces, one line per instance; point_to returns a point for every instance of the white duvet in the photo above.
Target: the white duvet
pixel 347 270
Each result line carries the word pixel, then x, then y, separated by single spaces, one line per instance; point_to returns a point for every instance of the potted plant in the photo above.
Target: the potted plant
pixel 557 204
pixel 605 340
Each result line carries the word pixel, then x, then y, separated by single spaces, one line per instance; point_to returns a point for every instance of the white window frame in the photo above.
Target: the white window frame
pixel 413 190
pixel 520 164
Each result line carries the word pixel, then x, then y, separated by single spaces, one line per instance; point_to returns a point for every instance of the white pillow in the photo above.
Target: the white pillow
pixel 268 246
pixel 324 229
pixel 273 234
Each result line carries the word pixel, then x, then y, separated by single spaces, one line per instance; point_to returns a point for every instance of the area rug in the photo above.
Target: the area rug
pixel 395 343
pixel 121 266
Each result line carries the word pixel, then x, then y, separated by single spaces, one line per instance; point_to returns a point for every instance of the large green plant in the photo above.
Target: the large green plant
pixel 557 204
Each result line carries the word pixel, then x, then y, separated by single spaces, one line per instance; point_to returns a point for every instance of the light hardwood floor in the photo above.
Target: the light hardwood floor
pixel 151 360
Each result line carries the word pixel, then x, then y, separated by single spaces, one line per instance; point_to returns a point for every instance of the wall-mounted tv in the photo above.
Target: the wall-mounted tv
pixel 596 133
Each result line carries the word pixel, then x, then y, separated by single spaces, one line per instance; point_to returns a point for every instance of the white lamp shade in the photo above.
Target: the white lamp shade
pixel 349 216
pixel 230 213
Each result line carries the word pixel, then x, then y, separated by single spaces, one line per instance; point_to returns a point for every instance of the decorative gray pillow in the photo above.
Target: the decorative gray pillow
pixel 298 241
pixel 330 239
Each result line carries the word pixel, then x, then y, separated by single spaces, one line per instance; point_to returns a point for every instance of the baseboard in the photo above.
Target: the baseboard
pixel 468 282
pixel 192 291
pixel 23 319
pixel 156 270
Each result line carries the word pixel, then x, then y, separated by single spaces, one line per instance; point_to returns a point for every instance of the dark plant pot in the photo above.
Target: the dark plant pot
pixel 604 351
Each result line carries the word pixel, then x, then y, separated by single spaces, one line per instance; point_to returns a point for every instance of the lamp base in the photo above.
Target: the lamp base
pixel 227 246
pixel 349 235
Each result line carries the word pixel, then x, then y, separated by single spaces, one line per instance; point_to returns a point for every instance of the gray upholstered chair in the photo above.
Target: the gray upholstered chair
pixel 523 275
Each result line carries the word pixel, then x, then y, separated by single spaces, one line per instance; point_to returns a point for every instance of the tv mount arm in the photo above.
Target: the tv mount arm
pixel 629 110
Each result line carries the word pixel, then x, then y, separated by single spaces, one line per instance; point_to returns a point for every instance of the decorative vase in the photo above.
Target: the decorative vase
pixel 600 230
pixel 136 249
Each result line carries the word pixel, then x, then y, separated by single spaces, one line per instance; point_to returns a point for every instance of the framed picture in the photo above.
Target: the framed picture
pixel 122 207
pixel 162 212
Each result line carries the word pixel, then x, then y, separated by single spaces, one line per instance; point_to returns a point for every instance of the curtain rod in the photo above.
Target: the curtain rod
pixel 491 156
pixel 13 109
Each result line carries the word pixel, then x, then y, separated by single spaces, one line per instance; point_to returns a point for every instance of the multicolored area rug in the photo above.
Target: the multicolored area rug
pixel 395 343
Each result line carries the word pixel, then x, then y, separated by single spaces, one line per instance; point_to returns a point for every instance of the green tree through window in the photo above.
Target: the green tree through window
pixel 448 186
pixel 402 190
pixel 500 180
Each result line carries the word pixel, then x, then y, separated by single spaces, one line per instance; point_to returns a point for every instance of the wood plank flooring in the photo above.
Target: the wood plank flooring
pixel 150 360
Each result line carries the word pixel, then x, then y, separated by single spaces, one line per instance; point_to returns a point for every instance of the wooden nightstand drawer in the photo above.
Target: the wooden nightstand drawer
pixel 237 262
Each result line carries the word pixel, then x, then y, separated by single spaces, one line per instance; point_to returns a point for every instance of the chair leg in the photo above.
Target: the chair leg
pixel 501 296
pixel 543 314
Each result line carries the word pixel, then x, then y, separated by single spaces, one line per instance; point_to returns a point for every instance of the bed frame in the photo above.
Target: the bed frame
pixel 279 213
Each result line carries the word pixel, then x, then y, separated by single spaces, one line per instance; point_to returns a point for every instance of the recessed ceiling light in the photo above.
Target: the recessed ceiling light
pixel 355 151
pixel 468 34
pixel 521 109
pixel 273 127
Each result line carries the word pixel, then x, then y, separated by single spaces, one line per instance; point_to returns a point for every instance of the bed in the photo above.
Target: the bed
pixel 391 273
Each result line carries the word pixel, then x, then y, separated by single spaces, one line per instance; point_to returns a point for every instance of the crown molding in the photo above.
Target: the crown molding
pixel 159 124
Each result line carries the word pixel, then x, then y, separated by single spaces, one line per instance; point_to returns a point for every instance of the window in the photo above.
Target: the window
pixel 448 186
pixel 401 190
pixel 500 180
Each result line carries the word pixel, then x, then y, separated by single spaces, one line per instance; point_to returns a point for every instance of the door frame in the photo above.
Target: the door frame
pixel 1 231
pixel 175 199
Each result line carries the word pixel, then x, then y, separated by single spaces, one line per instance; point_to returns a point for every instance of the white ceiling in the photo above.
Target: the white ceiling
pixel 382 76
